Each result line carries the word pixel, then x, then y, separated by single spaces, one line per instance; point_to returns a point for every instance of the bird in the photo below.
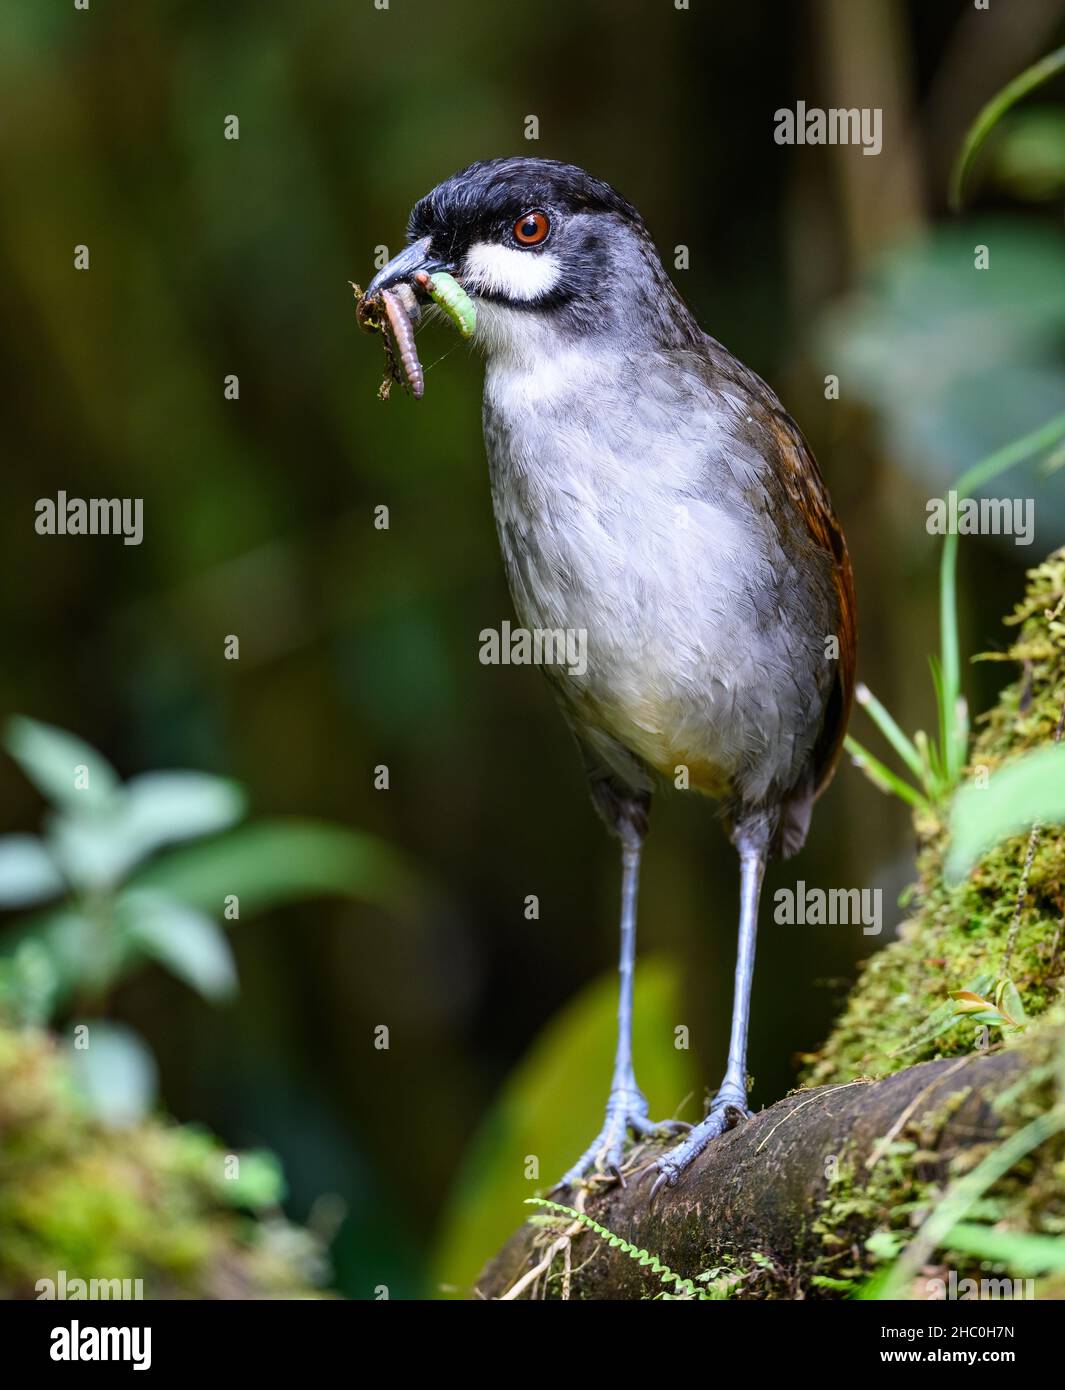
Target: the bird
pixel 651 493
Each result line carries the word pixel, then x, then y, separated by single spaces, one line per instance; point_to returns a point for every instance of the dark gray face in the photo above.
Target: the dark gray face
pixel 560 250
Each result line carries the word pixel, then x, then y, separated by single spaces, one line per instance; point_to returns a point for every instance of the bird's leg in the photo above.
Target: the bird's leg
pixel 627 1106
pixel 730 1103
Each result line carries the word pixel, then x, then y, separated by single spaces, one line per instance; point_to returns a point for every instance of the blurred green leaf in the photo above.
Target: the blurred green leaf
pixel 188 942
pixel 1024 1254
pixel 92 850
pixel 1027 791
pixel 885 1245
pixel 98 846
pixel 115 1074
pixel 264 864
pixel 28 874
pixel 551 1107
pixel 957 362
pixel 162 807
pixel 992 113
pixel 278 861
pixel 50 758
pixel 1028 159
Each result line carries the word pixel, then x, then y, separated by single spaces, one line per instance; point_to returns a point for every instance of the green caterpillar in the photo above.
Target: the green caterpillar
pixel 446 291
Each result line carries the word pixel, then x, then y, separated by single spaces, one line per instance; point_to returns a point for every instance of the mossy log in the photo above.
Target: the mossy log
pixel 765 1188
pixel 784 1205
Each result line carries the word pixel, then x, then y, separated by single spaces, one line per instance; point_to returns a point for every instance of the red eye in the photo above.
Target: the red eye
pixel 531 228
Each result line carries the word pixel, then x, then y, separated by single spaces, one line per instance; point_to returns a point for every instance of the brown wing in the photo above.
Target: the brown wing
pixel 801 477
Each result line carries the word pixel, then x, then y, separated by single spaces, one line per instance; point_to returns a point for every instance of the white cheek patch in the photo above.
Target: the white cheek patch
pixel 506 271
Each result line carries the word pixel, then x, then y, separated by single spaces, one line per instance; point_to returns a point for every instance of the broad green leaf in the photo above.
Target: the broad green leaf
pixel 281 861
pixel 188 942
pixel 161 807
pixel 28 874
pixel 1027 791
pixel 552 1106
pixel 942 1017
pixel 55 762
pixel 115 1074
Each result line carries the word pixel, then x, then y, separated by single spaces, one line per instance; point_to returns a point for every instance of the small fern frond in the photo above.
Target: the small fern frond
pixel 642 1257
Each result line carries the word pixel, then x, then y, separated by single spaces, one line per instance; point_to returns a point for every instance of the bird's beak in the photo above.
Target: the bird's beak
pixel 401 269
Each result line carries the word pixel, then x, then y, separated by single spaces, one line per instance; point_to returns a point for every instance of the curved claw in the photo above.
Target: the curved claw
pixel 670 1166
pixel 603 1157
pixel 661 1181
pixel 663 1176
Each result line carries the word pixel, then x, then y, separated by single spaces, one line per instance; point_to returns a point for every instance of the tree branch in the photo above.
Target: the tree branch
pixel 761 1186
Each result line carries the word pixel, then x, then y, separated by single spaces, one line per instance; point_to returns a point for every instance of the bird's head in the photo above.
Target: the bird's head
pixel 549 255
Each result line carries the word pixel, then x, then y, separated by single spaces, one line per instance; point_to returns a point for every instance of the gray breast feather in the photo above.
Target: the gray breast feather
pixel 632 503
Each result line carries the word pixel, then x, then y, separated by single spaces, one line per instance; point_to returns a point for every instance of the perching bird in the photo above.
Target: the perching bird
pixel 650 491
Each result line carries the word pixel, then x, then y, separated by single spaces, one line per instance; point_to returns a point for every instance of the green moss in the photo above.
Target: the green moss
pixel 953 936
pixel 1028 1201
pixel 150 1202
pixel 956 934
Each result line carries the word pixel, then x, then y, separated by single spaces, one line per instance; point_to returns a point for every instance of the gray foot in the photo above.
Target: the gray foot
pixel 728 1110
pixel 626 1110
